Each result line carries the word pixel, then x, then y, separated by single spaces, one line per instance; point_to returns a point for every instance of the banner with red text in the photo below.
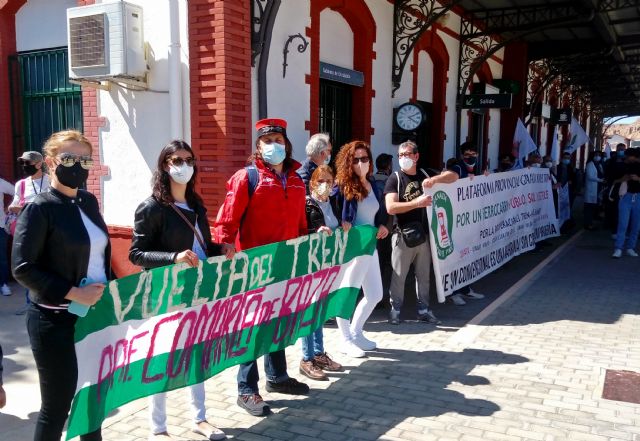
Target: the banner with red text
pixel 175 326
pixel 478 224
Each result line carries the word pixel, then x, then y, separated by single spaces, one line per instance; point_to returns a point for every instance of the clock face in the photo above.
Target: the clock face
pixel 409 117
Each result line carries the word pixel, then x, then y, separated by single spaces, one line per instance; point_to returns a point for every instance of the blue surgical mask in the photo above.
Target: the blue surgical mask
pixel 596 159
pixel 620 153
pixel 274 153
pixel 566 161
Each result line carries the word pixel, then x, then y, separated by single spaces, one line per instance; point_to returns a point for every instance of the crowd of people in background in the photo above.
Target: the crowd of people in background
pixel 57 219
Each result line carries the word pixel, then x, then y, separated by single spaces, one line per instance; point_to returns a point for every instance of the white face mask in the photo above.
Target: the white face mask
pixel 323 190
pixel 548 164
pixel 406 163
pixel 327 160
pixel 535 165
pixel 182 174
pixel 362 169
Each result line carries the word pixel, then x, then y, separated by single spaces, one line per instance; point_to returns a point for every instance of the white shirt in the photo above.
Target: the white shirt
pixel 32 187
pixel 5 188
pixel 367 209
pixel 329 218
pixel 95 270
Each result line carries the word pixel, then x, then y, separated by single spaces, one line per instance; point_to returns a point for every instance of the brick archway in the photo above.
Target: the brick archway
pixel 363 25
pixel 433 45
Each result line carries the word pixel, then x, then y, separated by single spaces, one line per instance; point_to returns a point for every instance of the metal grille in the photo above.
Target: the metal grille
pixel 87 40
pixel 335 113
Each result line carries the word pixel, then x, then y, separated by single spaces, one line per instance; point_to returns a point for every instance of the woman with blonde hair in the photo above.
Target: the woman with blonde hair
pixel 360 206
pixel 62 254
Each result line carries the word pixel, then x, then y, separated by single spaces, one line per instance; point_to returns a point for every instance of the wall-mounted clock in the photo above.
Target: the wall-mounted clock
pixel 409 116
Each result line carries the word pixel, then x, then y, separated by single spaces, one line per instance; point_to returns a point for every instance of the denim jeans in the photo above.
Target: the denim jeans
pixel 628 217
pixel 51 337
pixel 275 368
pixel 4 259
pixel 312 345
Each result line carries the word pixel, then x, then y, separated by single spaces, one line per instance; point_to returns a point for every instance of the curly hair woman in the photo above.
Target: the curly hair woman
pixel 360 207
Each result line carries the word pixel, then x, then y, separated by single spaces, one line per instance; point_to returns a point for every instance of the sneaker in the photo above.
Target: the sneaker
pixel 428 317
pixel 351 350
pixel 617 253
pixel 254 404
pixel 311 370
pixel 457 300
pixel 324 362
pixel 473 295
pixel 209 431
pixel 364 343
pixel 394 317
pixel 290 386
pixel 6 291
pixel 631 252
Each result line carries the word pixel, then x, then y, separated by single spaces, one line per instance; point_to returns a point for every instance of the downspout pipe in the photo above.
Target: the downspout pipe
pixel 270 15
pixel 175 72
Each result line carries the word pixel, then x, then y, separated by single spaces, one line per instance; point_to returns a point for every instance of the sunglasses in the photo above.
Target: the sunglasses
pixel 405 155
pixel 69 160
pixel 363 159
pixel 178 161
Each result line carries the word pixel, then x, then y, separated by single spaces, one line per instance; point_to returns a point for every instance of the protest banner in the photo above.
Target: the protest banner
pixel 175 326
pixel 478 225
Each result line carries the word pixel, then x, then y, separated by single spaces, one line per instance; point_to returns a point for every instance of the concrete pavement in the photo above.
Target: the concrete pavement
pixel 532 368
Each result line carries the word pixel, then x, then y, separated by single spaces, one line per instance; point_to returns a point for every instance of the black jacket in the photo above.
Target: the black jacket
pixel 51 246
pixel 159 234
pixel 315 216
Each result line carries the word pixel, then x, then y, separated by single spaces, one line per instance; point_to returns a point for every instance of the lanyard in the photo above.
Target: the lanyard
pixel 34 185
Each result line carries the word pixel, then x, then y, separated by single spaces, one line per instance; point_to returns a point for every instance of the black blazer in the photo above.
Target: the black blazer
pixel 51 246
pixel 159 234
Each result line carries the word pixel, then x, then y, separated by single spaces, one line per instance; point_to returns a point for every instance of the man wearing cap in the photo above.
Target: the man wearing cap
pixel 27 189
pixel 265 203
pixel 318 152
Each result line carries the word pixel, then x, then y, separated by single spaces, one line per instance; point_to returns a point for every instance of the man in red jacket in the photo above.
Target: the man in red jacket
pixel 269 189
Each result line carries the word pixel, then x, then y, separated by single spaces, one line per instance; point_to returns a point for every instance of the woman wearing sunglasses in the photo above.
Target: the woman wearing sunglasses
pixel 171 226
pixel 60 243
pixel 360 207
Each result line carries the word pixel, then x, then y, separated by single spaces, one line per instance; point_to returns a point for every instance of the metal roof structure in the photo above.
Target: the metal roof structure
pixel 593 46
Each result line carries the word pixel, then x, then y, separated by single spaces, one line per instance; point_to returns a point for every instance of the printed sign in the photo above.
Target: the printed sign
pixel 176 326
pixel 487 101
pixel 341 74
pixel 480 224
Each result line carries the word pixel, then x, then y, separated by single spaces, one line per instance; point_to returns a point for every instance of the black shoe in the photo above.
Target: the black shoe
pixel 290 386
pixel 254 405
pixel 428 317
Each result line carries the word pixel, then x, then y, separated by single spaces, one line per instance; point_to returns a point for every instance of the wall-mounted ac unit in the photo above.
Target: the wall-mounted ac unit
pixel 106 41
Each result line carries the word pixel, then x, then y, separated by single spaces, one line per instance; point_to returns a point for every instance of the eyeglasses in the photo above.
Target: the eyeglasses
pixel 178 161
pixel 363 159
pixel 405 155
pixel 69 160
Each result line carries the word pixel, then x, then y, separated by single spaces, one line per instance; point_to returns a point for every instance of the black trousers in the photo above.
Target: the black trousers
pixel 51 337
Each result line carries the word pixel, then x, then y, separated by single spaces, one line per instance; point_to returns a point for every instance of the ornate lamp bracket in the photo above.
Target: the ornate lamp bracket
pixel 301 48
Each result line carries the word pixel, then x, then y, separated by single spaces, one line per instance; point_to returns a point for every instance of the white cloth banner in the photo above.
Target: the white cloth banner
pixel 564 204
pixel 480 224
pixel 523 145
pixel 577 137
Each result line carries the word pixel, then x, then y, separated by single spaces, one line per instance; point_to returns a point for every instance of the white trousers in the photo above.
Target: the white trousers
pixel 372 288
pixel 158 408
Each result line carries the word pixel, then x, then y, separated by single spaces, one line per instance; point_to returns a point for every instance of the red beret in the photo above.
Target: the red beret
pixel 271 125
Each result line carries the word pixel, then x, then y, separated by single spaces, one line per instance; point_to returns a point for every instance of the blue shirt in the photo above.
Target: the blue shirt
pixel 367 209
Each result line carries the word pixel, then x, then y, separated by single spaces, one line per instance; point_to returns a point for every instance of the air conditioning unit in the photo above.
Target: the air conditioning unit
pixel 106 42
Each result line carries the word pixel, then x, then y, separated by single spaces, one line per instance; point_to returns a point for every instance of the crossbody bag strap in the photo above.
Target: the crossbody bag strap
pixel 195 231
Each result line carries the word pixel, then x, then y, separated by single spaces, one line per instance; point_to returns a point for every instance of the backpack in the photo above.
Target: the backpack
pixel 253 178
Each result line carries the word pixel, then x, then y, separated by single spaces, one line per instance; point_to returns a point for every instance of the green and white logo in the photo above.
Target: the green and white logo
pixel 442 224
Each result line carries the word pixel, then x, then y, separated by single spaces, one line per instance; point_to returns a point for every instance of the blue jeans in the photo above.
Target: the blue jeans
pixel 4 259
pixel 628 217
pixel 312 345
pixel 275 367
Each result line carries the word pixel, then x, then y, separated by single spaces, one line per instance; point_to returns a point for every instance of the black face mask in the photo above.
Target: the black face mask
pixel 29 169
pixel 72 177
pixel 506 165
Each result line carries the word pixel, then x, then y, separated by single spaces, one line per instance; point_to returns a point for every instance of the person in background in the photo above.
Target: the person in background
pixel 547 162
pixel 592 180
pixel 405 198
pixel 170 227
pixel 60 241
pixel 629 207
pixel 360 207
pixel 272 211
pixel 3 394
pixel 505 164
pixel 35 182
pixel 5 189
pixel 318 153
pixel 384 164
pixel 322 217
pixel 534 160
pixel 466 167
pixel 614 170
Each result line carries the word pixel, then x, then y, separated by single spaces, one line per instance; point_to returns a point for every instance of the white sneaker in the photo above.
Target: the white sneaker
pixel 631 252
pixel 457 300
pixel 364 343
pixel 617 253
pixel 6 291
pixel 473 295
pixel 351 350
